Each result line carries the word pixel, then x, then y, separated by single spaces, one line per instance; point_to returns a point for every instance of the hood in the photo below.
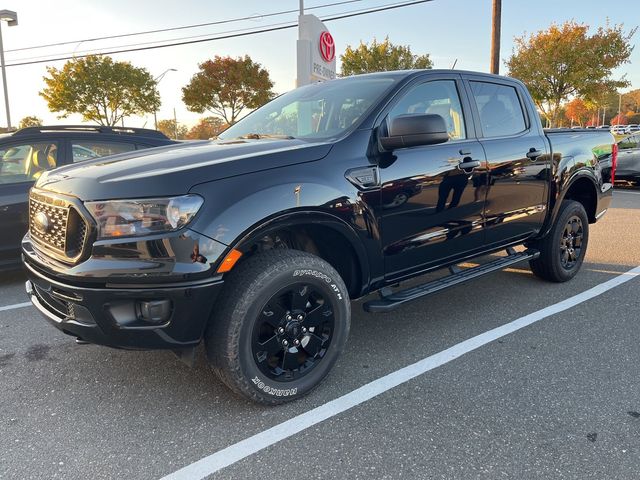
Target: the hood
pixel 174 169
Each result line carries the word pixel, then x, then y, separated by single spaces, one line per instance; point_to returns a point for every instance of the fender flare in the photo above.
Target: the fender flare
pixel 287 219
pixel 562 192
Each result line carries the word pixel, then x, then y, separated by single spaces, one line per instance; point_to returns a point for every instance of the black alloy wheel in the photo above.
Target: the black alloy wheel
pixel 293 332
pixel 571 242
pixel 279 325
pixel 563 249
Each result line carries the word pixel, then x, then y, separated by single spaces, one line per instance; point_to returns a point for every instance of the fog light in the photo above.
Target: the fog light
pixel 153 311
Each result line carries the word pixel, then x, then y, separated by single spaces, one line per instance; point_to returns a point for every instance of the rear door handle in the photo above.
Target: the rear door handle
pixel 468 164
pixel 534 153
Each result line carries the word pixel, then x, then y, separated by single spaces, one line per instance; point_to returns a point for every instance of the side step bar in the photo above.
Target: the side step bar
pixel 393 300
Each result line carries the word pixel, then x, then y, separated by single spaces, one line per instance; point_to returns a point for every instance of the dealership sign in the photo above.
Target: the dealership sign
pixel 316 51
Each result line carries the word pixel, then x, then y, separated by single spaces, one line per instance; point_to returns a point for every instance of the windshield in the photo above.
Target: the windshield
pixel 317 111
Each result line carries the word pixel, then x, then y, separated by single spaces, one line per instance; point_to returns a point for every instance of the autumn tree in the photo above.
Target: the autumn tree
pixel 619 120
pixel 378 57
pixel 227 87
pixel 577 111
pixel 206 128
pixel 172 129
pixel 30 121
pixel 565 60
pixel 100 90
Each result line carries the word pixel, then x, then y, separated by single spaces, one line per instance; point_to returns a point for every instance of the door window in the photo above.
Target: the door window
pixel 86 149
pixel 499 108
pixel 25 162
pixel 439 97
pixel 629 142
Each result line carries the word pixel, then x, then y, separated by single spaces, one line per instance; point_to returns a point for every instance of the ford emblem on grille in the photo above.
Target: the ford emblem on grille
pixel 41 222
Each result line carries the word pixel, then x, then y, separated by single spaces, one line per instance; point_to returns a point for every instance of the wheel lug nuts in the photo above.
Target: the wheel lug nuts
pixel 285 343
pixel 300 317
pixel 304 329
pixel 280 330
pixel 289 317
pixel 296 342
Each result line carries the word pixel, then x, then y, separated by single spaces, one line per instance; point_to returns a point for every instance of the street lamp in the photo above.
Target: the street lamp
pixel 157 80
pixel 12 20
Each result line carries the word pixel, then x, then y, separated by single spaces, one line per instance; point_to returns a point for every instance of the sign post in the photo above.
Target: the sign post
pixel 316 51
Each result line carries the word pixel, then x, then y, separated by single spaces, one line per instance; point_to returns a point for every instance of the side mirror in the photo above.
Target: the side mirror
pixel 414 130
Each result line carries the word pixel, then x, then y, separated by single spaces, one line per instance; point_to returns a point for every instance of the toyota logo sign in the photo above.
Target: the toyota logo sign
pixel 327 47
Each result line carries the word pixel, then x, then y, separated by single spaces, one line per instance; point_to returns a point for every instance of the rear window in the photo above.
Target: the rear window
pixel 499 108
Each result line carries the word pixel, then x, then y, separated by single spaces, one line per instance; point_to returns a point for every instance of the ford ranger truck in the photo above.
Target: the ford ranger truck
pixel 256 242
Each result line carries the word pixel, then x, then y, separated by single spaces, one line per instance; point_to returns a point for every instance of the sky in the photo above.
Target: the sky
pixel 448 30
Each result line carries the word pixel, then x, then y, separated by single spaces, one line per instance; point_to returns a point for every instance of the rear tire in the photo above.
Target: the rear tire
pixel 279 326
pixel 562 251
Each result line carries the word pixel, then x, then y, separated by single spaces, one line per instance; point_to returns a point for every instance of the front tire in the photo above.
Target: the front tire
pixel 279 326
pixel 562 251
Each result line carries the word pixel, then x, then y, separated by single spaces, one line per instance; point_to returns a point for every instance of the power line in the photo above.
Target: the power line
pixel 224 37
pixel 182 27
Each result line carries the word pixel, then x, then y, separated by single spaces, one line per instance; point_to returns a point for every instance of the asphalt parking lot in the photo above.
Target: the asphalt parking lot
pixel 558 398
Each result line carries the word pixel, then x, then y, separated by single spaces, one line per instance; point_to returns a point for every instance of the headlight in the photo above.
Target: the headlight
pixel 145 216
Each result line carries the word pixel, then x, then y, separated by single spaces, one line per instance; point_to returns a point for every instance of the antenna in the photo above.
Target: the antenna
pixel 454 64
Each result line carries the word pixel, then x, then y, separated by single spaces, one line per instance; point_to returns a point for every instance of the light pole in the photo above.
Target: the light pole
pixel 158 79
pixel 12 20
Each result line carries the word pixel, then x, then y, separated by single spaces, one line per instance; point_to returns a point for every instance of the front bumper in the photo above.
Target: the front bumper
pixel 111 316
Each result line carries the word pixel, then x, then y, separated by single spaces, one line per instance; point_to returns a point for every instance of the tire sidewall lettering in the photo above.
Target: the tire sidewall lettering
pixel 277 392
pixel 320 276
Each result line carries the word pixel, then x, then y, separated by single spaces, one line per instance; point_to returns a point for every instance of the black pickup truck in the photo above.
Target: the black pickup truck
pixel 256 242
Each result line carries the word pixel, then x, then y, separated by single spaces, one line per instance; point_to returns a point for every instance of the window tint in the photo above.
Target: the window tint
pixel 25 162
pixel 87 149
pixel 500 110
pixel 438 97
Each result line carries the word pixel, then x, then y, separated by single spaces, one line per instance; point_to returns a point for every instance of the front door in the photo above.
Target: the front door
pixel 431 210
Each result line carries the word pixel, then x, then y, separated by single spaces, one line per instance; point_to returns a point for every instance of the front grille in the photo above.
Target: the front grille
pixel 56 226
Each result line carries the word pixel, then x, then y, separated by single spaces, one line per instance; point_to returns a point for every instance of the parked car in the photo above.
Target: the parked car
pixel 256 242
pixel 631 128
pixel 26 154
pixel 604 126
pixel 629 158
pixel 618 129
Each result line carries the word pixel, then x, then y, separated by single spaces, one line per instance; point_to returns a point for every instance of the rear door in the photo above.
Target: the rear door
pixel 431 210
pixel 517 157
pixel 629 157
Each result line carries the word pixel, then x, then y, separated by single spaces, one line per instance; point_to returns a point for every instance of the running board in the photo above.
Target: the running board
pixel 391 301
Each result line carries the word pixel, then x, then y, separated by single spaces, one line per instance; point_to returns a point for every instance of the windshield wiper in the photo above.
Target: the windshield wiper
pixel 259 136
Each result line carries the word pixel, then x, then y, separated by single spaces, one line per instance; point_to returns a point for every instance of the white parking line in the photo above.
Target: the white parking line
pixel 627 192
pixel 14 306
pixel 238 451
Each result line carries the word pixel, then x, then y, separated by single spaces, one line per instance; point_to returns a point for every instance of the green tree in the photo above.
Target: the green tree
pixel 100 90
pixel 378 57
pixel 228 86
pixel 630 101
pixel 565 61
pixel 30 121
pixel 206 128
pixel 172 129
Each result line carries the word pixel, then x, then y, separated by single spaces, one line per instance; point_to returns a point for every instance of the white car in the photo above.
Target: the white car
pixel 618 129
pixel 631 128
